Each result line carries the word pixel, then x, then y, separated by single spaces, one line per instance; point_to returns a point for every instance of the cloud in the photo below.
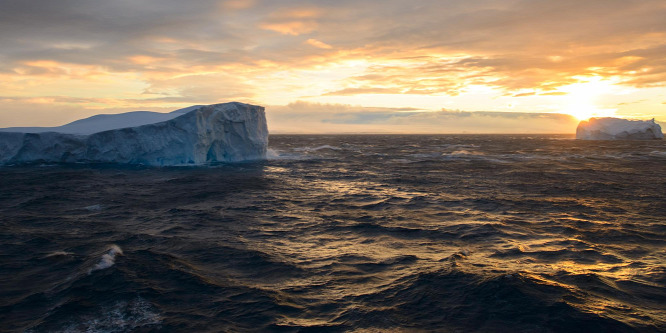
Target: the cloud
pixel 497 36
pixel 274 52
pixel 525 94
pixel 295 22
pixel 238 4
pixel 367 90
pixel 303 117
pixel 51 111
pixel 201 88
pixel 318 43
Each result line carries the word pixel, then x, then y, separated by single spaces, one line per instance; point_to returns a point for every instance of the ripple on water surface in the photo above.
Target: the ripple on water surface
pixel 344 233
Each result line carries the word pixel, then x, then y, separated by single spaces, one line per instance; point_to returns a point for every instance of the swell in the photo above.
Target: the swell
pixel 343 233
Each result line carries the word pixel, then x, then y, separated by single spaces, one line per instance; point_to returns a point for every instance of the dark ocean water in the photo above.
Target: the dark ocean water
pixel 345 233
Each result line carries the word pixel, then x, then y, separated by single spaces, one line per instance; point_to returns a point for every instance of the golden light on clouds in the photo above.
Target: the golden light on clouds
pixel 318 43
pixel 143 60
pixel 294 28
pixel 293 22
pixel 238 4
pixel 488 55
pixel 581 99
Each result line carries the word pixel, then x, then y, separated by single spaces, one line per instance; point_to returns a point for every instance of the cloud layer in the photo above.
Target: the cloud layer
pixel 437 53
pixel 310 118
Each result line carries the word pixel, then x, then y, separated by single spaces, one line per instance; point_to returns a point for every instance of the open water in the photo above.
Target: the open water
pixel 364 233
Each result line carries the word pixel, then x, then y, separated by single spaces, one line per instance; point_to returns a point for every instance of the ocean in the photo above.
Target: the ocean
pixel 344 233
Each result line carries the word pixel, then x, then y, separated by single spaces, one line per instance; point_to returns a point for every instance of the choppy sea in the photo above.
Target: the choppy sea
pixel 344 233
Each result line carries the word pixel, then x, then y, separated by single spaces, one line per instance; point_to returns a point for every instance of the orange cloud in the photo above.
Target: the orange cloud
pixel 294 28
pixel 297 13
pixel 43 63
pixel 143 59
pixel 292 21
pixel 303 117
pixel 319 44
pixel 238 4
pixel 554 93
pixel 366 52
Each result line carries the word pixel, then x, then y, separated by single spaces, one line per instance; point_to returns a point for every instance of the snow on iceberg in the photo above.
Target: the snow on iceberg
pixel 618 129
pixel 228 132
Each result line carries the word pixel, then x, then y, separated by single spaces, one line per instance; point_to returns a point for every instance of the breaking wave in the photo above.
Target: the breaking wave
pixel 108 259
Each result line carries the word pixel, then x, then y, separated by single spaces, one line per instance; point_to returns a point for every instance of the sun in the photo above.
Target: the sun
pixel 585 111
pixel 582 97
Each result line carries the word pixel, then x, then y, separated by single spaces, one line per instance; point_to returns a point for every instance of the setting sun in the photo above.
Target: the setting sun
pixel 582 99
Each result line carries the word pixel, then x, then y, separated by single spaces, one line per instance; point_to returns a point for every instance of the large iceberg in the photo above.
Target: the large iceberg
pixel 618 129
pixel 229 132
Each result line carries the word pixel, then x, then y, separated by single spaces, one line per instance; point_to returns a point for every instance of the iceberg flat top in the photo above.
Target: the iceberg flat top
pixel 618 129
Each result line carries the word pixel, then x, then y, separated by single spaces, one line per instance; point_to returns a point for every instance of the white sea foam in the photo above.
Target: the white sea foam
pixel 119 317
pixel 93 208
pixel 308 149
pixel 466 152
pixel 109 258
pixel 657 153
pixel 274 154
pixel 58 253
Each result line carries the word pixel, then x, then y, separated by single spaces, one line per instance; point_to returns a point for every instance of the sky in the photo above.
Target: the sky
pixel 324 66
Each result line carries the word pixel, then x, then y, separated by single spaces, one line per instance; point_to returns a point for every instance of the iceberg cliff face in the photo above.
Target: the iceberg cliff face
pixel 229 132
pixel 618 129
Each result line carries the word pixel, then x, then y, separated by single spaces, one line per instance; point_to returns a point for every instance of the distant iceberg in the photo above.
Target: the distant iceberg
pixel 618 129
pixel 229 132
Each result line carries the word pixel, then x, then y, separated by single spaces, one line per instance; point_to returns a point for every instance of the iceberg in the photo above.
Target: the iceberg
pixel 228 132
pixel 618 129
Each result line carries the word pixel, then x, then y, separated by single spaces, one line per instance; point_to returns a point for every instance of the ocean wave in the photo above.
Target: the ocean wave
pixel 58 253
pixel 465 152
pixel 318 148
pixel 121 316
pixel 460 301
pixel 94 208
pixel 293 155
pixel 108 259
pixel 388 233
pixel 658 153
